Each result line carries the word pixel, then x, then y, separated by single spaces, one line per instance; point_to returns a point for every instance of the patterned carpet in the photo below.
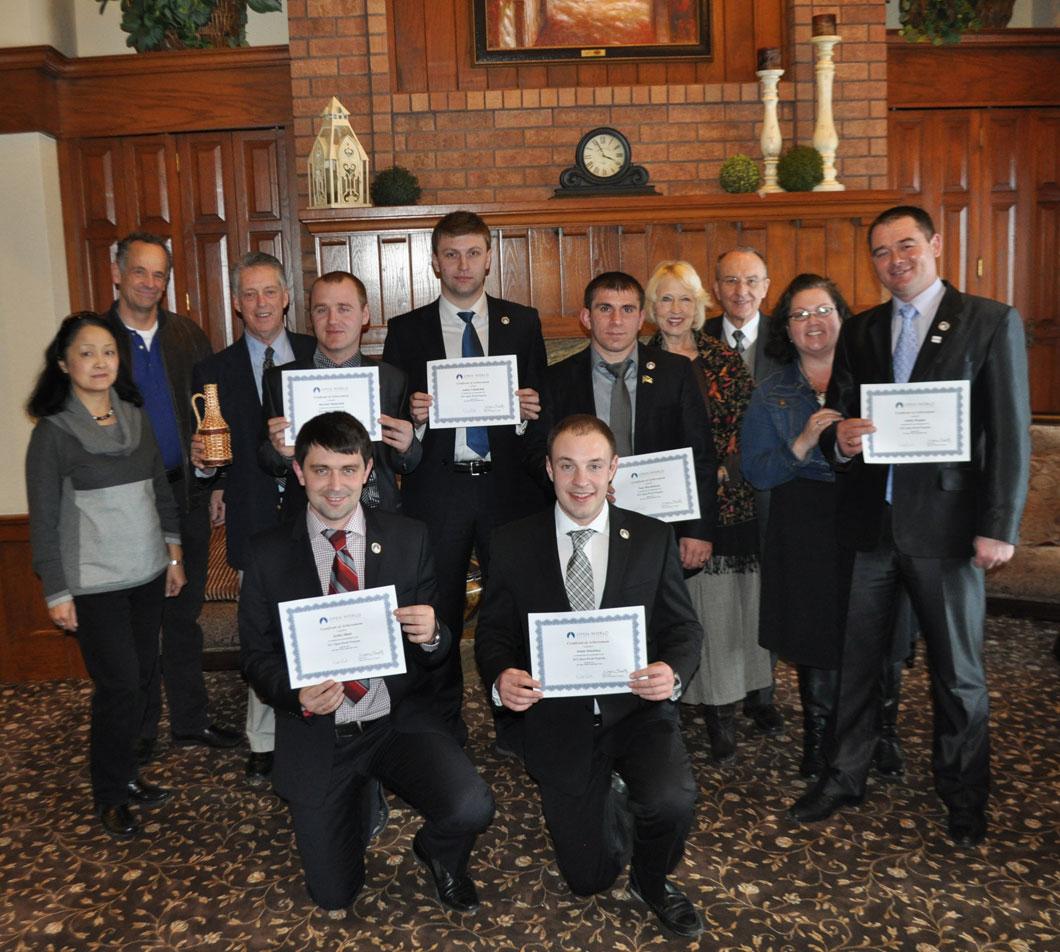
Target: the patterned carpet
pixel 215 870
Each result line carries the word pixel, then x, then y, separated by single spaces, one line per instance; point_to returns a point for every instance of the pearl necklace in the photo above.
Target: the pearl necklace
pixel 106 416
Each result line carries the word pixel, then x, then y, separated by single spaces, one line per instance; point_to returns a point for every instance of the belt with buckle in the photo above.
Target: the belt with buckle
pixel 473 467
pixel 356 728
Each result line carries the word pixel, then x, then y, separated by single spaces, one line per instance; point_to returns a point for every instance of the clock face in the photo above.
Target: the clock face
pixel 604 155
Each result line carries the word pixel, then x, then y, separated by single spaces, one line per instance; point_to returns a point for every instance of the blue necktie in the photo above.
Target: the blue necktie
pixel 470 346
pixel 905 351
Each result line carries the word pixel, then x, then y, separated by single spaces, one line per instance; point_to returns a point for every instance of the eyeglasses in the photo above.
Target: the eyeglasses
pixel 735 282
pixel 822 310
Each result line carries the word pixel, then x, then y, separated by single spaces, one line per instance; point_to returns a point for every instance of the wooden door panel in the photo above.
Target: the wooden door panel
pixel 208 260
pixel 101 186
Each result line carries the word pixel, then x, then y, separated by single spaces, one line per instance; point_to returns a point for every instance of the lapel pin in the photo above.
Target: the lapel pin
pixel 944 325
pixel 506 320
pixel 376 548
pixel 936 339
pixel 783 402
pixel 646 379
pixel 624 533
pixel 650 365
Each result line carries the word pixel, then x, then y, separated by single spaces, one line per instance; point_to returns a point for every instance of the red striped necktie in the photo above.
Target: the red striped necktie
pixel 344 579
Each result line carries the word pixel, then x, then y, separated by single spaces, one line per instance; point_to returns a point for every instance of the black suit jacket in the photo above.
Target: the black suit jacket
pixel 387 461
pixel 555 735
pixel 939 508
pixel 281 569
pixel 414 338
pixel 251 496
pixel 759 362
pixel 669 415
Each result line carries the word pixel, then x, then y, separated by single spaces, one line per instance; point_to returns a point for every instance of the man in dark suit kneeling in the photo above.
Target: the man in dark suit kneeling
pixel 332 738
pixel 598 759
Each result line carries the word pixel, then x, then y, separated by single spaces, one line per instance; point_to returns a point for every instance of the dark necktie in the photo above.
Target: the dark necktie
pixel 470 346
pixel 269 362
pixel 739 346
pixel 344 579
pixel 621 408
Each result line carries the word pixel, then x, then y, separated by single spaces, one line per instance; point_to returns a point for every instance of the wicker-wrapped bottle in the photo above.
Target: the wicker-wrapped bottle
pixel 212 428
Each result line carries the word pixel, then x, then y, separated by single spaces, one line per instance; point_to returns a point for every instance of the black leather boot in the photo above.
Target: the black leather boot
pixel 889 760
pixel 721 731
pixel 817 691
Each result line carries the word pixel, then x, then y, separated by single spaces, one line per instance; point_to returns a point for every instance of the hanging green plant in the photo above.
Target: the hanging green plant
pixel 944 21
pixel 396 186
pixel 187 24
pixel 800 169
pixel 739 173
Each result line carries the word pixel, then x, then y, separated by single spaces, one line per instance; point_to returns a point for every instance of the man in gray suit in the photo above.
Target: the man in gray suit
pixel 741 283
pixel 933 527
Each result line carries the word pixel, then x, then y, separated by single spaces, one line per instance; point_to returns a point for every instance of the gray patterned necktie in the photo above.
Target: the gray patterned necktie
pixel 739 346
pixel 579 579
pixel 905 351
pixel 621 414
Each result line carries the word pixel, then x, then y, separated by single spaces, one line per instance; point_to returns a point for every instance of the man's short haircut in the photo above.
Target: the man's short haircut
pixel 337 431
pixel 742 249
pixel 581 424
pixel 458 224
pixel 337 277
pixel 920 217
pixel 612 281
pixel 257 259
pixel 121 255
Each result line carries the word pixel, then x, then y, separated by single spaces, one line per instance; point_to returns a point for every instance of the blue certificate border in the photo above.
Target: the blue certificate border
pixel 288 379
pixel 690 486
pixel 960 452
pixel 537 639
pixel 450 365
pixel 353 598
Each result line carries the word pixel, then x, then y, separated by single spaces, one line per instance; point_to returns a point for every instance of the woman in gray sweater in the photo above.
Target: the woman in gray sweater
pixel 106 543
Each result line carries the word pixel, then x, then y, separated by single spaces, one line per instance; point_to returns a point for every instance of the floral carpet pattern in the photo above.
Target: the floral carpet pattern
pixel 215 869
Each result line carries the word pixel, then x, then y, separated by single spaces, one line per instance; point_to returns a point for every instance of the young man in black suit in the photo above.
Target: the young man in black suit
pixel 662 406
pixel 338 310
pixel 331 740
pixel 245 497
pixel 585 752
pixel 933 527
pixel 469 480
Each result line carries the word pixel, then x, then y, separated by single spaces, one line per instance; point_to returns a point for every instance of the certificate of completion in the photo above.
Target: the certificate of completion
pixel 662 485
pixel 927 422
pixel 580 654
pixel 351 636
pixel 308 393
pixel 473 391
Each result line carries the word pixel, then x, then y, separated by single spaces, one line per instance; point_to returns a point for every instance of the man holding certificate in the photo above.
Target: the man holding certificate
pixel 597 755
pixel 934 526
pixel 321 576
pixel 338 310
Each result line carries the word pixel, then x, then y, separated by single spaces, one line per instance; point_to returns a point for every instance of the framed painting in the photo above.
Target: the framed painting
pixel 533 31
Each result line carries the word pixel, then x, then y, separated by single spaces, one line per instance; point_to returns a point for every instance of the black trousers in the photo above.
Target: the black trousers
pixel 430 772
pixel 650 755
pixel 181 668
pixel 118 635
pixel 950 605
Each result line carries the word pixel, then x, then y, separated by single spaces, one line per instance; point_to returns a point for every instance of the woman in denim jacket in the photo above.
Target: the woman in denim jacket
pixel 805 581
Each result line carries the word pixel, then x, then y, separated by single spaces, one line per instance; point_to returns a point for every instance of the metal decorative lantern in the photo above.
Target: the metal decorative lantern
pixel 338 165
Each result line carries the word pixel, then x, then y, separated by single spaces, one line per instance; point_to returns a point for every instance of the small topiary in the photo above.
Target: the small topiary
pixel 396 186
pixel 800 169
pixel 739 173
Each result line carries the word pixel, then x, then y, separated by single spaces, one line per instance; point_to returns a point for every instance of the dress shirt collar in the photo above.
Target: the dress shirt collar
pixel 565 523
pixel 324 362
pixel 750 330
pixel 599 362
pixel 450 313
pixel 315 525
pixel 927 305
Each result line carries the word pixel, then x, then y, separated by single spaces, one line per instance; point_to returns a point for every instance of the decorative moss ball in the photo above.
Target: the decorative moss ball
pixel 739 173
pixel 800 169
pixel 396 186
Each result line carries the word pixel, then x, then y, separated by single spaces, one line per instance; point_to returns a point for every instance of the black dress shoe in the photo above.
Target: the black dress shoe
pixel 454 892
pixel 117 820
pixel 967 828
pixel 259 766
pixel 145 750
pixel 212 735
pixel 380 810
pixel 146 793
pixel 889 760
pixel 767 720
pixel 818 803
pixel 721 731
pixel 673 909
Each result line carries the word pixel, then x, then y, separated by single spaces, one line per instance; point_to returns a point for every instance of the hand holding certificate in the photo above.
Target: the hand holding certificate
pixel 582 654
pixel 473 391
pixel 308 393
pixel 352 636
pixel 661 485
pixel 927 422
